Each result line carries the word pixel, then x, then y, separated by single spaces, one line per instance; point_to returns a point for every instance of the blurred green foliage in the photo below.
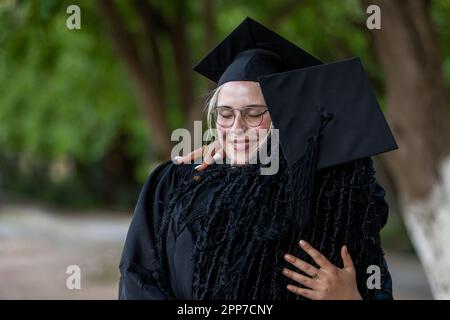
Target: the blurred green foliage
pixel 64 96
pixel 67 104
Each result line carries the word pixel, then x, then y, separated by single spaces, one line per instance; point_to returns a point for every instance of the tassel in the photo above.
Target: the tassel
pixel 302 176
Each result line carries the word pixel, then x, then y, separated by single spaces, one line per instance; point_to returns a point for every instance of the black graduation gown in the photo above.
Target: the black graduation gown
pixel 138 268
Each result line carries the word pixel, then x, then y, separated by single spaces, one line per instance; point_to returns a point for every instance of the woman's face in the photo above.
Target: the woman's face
pixel 239 137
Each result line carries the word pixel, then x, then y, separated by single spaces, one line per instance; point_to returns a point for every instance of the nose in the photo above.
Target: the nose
pixel 239 123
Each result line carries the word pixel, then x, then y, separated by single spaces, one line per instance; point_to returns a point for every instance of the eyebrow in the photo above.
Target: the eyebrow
pixel 248 106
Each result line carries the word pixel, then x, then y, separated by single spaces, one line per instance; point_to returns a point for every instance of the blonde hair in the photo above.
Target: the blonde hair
pixel 210 105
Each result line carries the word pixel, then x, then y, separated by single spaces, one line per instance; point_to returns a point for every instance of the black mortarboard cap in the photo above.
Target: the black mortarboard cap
pixel 249 51
pixel 341 93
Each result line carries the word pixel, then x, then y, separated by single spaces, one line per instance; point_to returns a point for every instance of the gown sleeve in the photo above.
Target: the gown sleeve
pixel 138 265
pixel 385 293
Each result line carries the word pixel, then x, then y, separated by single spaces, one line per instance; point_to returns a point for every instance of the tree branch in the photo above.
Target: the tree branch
pixel 148 17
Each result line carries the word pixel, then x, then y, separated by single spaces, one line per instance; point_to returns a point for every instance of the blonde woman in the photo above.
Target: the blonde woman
pixel 223 230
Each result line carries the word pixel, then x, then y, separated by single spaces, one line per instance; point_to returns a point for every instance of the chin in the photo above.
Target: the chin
pixel 239 156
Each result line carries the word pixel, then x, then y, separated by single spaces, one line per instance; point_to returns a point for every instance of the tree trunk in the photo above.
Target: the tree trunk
pixel 419 115
pixel 148 85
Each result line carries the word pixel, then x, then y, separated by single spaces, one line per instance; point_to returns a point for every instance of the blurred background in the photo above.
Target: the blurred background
pixel 85 115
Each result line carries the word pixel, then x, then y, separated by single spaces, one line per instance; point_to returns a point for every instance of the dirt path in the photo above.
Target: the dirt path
pixel 36 247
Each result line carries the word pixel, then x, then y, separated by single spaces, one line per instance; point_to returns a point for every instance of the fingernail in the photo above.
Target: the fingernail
pixel 177 160
pixel 287 257
pixel 345 249
pixel 285 271
pixel 302 243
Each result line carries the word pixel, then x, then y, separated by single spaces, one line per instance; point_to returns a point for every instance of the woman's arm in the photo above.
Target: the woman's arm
pixel 140 272
pixel 331 282
pixel 382 208
pixel 385 293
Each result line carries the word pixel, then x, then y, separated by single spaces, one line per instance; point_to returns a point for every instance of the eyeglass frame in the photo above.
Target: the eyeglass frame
pixel 240 111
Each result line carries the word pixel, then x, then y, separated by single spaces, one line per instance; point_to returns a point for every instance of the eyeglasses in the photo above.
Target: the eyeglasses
pixel 251 115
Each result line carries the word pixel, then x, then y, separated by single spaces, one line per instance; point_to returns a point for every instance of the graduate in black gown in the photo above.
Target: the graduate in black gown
pixel 223 233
